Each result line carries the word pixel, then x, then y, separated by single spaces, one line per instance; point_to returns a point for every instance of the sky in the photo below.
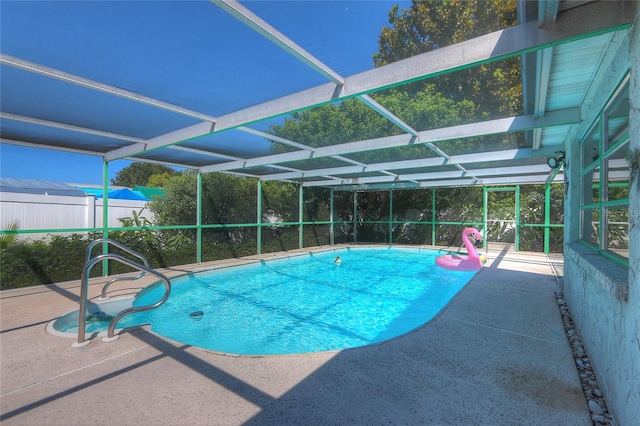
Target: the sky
pixel 348 55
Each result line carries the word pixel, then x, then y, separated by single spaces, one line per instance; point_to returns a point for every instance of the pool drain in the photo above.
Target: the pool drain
pixel 196 315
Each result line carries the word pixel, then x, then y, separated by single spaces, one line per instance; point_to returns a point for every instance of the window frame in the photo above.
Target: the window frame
pixel 608 147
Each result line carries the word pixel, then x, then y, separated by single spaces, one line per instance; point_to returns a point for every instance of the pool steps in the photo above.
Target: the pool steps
pixel 110 306
pixel 90 263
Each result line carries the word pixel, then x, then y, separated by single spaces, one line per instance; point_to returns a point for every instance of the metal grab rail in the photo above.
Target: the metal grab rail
pixel 82 311
pixel 123 248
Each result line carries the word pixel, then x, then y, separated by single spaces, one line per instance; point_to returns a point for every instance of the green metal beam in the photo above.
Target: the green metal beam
pixel 517 217
pixel 105 214
pixel 485 202
pixel 547 217
pixel 391 217
pixel 301 217
pixel 433 216
pixel 199 218
pixel 259 218
pixel 331 218
pixel 355 217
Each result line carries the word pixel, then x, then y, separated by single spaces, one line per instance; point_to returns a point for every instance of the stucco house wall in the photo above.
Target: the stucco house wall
pixel 603 297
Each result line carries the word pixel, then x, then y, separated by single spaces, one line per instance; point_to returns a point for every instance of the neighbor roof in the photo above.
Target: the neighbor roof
pixel 173 83
pixel 41 187
pixel 149 192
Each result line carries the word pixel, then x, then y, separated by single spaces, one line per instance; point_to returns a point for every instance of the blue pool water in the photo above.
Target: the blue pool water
pixel 306 303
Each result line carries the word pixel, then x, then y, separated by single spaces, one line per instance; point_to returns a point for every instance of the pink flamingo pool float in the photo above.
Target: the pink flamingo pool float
pixel 460 262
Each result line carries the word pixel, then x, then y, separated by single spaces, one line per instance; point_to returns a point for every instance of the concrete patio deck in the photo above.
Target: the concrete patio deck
pixel 497 355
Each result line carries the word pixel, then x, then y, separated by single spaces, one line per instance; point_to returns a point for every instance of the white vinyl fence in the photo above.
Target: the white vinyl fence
pixel 41 211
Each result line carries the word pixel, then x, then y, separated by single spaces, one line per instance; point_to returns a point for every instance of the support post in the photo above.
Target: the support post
pixel 433 216
pixel 332 235
pixel 572 192
pixel 91 211
pixel 391 216
pixel 485 203
pixel 355 217
pixel 634 184
pixel 301 218
pixel 547 217
pixel 602 193
pixel 199 218
pixel 517 218
pixel 105 215
pixel 259 218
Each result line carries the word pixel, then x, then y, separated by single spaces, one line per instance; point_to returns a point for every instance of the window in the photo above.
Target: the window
pixel 604 180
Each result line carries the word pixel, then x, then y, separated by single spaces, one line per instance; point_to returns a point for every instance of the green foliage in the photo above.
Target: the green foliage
pixel 159 180
pixel 151 242
pixel 62 258
pixel 317 207
pixel 7 240
pixel 456 209
pixel 495 89
pixel 136 220
pixel 327 125
pixel 484 92
pixel 144 237
pixel 412 206
pixel 279 201
pixel 532 204
pixel 501 216
pixel 143 174
pixel 231 202
pixel 351 120
pixel 178 207
pixel 225 199
pixel 427 108
pixel 459 204
pixel 38 262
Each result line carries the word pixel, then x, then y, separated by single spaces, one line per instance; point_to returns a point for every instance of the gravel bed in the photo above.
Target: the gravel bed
pixel 595 399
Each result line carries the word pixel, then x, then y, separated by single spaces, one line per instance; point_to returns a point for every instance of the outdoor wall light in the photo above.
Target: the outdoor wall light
pixel 554 162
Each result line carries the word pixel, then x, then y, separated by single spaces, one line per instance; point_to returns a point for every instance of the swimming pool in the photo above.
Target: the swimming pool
pixel 306 303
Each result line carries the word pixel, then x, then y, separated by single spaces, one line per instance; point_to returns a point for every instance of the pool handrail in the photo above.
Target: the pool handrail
pixel 123 248
pixel 84 288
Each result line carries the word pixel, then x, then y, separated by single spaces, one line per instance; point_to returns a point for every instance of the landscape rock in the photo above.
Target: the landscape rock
pixel 595 408
pixel 593 395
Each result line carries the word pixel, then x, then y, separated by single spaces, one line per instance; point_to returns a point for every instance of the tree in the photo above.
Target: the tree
pixel 138 173
pixel 326 125
pixel 351 120
pixel 484 92
pixel 226 199
pixel 159 180
pixel 495 89
pixel 231 201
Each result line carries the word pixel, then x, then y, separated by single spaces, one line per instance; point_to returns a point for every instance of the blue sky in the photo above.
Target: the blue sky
pixel 305 22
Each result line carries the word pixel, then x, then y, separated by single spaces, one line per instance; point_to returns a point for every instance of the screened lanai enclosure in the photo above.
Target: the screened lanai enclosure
pixel 437 130
pixel 297 124
pixel 292 217
pixel 250 217
pixel 372 145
